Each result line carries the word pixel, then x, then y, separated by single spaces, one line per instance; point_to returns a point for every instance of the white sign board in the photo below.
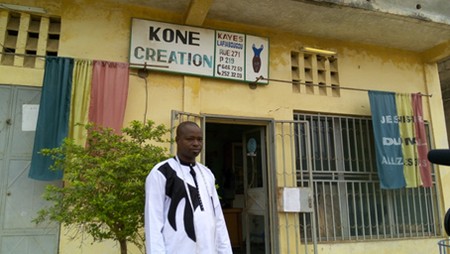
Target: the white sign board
pixel 29 116
pixel 295 199
pixel 197 51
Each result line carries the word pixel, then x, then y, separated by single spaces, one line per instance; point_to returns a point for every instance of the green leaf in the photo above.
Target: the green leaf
pixel 104 182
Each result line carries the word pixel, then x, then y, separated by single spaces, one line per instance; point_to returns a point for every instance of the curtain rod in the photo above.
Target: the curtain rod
pixel 145 65
pixel 23 55
pixel 312 84
pixel 256 81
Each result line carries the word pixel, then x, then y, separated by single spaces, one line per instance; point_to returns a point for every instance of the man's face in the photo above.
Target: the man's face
pixel 190 143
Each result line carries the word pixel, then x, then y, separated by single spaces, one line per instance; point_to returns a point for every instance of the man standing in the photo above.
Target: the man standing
pixel 182 208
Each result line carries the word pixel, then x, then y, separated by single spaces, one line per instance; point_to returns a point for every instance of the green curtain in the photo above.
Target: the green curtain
pixel 53 118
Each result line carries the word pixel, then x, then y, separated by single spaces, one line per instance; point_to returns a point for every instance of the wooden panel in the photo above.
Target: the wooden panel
pixel 234 225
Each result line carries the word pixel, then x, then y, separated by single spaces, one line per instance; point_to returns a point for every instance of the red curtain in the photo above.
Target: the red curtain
pixel 109 94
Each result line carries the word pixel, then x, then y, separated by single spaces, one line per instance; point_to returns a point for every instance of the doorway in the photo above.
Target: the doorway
pixel 237 155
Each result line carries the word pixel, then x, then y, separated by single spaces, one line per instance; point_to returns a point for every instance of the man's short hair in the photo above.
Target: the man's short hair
pixel 182 125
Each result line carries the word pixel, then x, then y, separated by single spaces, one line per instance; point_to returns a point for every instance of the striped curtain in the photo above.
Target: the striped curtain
pixel 75 92
pixel 400 140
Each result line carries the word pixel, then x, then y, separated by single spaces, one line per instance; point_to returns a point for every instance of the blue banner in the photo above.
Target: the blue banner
pixel 388 144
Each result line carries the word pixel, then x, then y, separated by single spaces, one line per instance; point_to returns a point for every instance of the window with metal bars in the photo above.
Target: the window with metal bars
pixel 349 203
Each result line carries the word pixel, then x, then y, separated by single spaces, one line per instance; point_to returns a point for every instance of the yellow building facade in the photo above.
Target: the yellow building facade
pixel 306 90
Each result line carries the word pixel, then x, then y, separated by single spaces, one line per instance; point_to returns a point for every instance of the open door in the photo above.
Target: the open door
pixel 256 219
pixel 237 152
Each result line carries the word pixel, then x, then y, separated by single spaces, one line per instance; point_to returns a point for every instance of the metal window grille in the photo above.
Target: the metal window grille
pixel 349 203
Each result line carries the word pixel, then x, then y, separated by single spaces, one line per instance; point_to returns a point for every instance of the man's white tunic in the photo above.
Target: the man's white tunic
pixel 171 224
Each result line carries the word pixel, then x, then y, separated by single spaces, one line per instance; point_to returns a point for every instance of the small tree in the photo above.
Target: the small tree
pixel 104 182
